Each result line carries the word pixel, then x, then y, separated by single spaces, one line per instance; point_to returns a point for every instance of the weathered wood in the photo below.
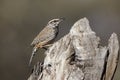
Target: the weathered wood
pixel 112 61
pixel 79 56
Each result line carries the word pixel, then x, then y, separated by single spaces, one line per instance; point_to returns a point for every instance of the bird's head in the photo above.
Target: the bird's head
pixel 55 22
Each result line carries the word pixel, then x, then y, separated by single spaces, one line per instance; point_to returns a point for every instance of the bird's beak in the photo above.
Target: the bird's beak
pixel 62 19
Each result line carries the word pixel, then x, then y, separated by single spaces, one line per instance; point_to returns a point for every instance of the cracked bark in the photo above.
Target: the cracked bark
pixel 79 56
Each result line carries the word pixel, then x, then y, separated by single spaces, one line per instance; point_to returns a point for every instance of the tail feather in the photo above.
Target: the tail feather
pixel 33 54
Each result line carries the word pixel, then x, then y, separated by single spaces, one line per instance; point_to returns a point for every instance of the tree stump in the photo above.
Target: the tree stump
pixel 79 56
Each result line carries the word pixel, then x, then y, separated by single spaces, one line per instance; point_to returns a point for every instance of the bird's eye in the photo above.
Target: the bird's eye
pixel 55 21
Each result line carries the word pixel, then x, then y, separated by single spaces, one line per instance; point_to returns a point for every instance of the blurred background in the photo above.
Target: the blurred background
pixel 22 20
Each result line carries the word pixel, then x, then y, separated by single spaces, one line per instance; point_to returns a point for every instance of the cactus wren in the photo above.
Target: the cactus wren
pixel 47 35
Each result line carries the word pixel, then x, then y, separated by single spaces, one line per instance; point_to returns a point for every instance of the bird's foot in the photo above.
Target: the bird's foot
pixel 48 45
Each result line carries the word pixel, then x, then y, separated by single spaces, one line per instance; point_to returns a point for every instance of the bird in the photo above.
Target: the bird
pixel 46 36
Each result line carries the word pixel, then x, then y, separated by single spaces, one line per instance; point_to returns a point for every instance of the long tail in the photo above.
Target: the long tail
pixel 33 54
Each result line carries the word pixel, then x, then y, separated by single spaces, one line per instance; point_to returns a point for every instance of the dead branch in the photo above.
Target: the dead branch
pixel 79 56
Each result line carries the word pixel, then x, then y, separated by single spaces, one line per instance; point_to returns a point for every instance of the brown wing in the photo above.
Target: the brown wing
pixel 46 35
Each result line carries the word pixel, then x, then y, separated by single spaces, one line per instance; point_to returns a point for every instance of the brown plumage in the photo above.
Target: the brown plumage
pixel 48 34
